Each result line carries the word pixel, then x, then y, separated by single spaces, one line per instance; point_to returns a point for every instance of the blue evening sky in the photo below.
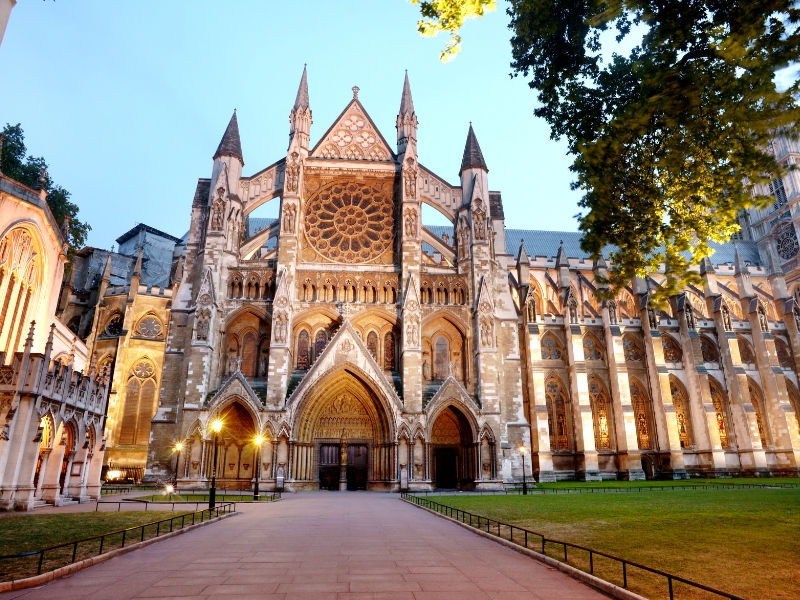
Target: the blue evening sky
pixel 128 101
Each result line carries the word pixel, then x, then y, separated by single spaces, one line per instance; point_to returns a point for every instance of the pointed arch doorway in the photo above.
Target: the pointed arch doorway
pixel 343 436
pixel 453 452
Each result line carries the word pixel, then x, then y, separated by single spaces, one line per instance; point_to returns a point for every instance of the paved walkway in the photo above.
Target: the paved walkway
pixel 321 545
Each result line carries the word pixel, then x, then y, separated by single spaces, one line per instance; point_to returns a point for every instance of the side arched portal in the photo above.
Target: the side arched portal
pixel 453 456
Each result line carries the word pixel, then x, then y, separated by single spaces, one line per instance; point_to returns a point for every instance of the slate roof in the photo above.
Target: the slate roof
pixel 496 205
pixel 201 192
pixel 230 142
pixel 473 157
pixel 545 244
pixel 142 227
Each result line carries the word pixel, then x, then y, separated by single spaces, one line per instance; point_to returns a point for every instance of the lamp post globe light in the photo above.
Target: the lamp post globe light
pixel 524 480
pixel 257 441
pixel 216 426
pixel 178 448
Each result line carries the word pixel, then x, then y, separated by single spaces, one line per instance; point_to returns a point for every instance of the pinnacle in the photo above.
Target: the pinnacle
pixel 739 265
pixel 406 103
pixel 561 257
pixel 302 92
pixel 473 157
pixel 522 254
pixel 230 143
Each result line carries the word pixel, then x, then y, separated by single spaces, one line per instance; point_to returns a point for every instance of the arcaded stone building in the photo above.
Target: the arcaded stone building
pixel 52 397
pixel 374 352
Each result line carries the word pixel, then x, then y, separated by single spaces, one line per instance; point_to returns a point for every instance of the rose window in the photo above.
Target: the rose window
pixel 149 327
pixel 787 243
pixel 143 370
pixel 350 222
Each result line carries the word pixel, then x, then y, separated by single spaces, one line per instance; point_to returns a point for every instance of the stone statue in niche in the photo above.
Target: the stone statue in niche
pixel 530 307
pixel 412 338
pixel 455 367
pixel 410 222
pixel 762 320
pixel 203 319
pixel 218 211
pixel 426 369
pixel 612 312
pixel 292 173
pixel 463 242
pixel 572 304
pixel 487 335
pixel 689 314
pixel 651 316
pixel 280 326
pixel 289 214
pixel 726 319
pixel 479 220
pixel 410 177
pixel 263 369
pixel 231 364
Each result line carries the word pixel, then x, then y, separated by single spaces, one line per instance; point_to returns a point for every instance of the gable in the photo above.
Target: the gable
pixel 353 137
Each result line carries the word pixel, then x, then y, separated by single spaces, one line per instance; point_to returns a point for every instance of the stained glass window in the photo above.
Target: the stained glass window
pixel 388 351
pixel 302 350
pixel 372 344
pixel 442 359
pixel 320 341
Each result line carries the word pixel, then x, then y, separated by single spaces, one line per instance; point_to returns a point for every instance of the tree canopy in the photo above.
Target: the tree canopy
pixel 671 139
pixel 16 164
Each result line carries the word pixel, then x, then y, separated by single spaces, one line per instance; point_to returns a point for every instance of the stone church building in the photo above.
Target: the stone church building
pixel 373 352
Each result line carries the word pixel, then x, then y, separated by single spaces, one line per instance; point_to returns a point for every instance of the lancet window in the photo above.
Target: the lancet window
pixel 672 351
pixel 557 417
pixel 302 350
pixel 388 351
pixel 320 341
pixel 140 404
pixel 720 401
pixel 682 413
pixel 442 359
pixel 641 411
pixel 372 344
pixel 602 415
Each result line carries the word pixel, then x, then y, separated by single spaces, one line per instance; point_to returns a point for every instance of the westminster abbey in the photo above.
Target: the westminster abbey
pixel 371 351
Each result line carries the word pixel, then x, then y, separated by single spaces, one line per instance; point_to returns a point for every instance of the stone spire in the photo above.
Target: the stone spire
pixel 406 122
pixel 739 266
pixel 230 144
pixel 706 266
pixel 300 118
pixel 302 92
pixel 473 157
pixel 562 264
pixel 406 102
pixel 523 265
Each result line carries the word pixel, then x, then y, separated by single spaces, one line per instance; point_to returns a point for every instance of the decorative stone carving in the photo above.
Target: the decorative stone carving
pixel 612 312
pixel 218 211
pixel 487 331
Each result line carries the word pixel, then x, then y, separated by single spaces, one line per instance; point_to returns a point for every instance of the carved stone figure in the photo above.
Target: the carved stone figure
pixel 280 324
pixel 426 369
pixel 410 177
pixel 612 312
pixel 479 220
pixel 263 369
pixel 689 314
pixel 289 214
pixel 203 321
pixel 651 316
pixel 218 211
pixel 231 364
pixel 530 306
pixel 726 319
pixel 410 222
pixel 292 173
pixel 762 320
pixel 487 334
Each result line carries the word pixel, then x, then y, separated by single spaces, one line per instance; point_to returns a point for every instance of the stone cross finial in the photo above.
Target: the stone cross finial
pixel 356 89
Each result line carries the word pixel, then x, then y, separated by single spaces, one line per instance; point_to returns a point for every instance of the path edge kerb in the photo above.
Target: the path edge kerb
pixel 29 582
pixel 600 585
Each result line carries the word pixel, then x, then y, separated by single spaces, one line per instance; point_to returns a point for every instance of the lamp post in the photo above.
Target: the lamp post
pixel 524 480
pixel 212 493
pixel 178 448
pixel 258 441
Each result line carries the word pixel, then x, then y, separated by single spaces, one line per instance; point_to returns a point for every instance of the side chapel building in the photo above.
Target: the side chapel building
pixel 374 352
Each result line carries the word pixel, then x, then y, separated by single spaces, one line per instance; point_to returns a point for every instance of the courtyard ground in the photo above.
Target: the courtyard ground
pixel 745 542
pixel 325 546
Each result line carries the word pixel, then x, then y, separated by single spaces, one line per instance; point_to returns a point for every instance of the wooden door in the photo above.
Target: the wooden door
pixel 446 474
pixel 357 467
pixel 329 467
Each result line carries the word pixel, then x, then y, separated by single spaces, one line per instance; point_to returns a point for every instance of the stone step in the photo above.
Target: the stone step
pixel 41 504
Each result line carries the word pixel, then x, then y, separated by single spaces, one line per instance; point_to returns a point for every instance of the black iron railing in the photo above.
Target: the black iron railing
pixel 618 490
pixel 533 540
pixel 60 555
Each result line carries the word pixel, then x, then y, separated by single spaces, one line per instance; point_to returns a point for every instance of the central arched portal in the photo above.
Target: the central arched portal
pixel 343 436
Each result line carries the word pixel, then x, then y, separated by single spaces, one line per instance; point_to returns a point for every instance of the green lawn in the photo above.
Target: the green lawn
pixel 745 542
pixel 23 533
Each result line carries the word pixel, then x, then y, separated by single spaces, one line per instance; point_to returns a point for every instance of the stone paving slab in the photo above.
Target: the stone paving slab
pixel 320 545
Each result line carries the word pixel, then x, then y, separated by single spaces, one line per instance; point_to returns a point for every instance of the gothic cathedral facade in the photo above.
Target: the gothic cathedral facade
pixel 373 352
